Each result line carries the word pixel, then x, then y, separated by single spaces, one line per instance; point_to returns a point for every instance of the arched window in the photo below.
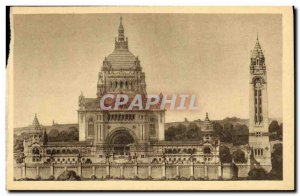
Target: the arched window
pixel 155 160
pixel 207 150
pixel 88 161
pixel 36 154
pixel 90 127
pixel 35 151
pixel 258 100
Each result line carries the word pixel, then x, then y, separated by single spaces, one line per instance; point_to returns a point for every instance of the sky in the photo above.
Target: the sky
pixel 56 56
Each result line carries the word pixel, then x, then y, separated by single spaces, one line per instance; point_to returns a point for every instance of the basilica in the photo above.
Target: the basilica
pixel 120 139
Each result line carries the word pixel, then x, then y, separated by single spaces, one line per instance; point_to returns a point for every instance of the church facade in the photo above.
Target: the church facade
pixel 130 137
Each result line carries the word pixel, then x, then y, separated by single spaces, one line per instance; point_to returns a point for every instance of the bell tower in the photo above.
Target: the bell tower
pixel 258 111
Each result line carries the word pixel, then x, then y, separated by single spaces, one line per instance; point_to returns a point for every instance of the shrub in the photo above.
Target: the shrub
pixel 38 178
pixel 225 156
pixel 93 177
pixel 51 177
pixel 257 174
pixel 68 175
pixel 239 156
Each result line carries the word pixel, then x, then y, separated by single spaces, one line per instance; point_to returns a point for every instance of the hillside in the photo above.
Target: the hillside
pixel 59 127
pixel 233 121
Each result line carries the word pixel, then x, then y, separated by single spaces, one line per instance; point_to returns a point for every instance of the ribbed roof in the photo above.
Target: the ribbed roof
pixel 121 58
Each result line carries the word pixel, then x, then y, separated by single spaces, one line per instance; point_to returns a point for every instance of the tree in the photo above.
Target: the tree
pixel 24 136
pixel 45 138
pixel 279 133
pixel 73 134
pixel 273 130
pixel 227 133
pixel 240 134
pixel 193 132
pixel 18 146
pixel 239 156
pixel 181 132
pixel 170 133
pixel 225 156
pixel 20 158
pixel 276 159
pixel 64 136
pixel 180 129
pixel 257 174
pixel 218 129
pixel 53 135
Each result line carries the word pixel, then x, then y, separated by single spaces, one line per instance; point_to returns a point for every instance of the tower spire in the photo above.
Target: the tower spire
pixel 258 110
pixel 35 121
pixel 121 31
pixel 121 43
pixel 206 117
pixel 35 126
pixel 257 51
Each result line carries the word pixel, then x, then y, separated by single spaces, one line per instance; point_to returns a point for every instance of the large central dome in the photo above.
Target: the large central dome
pixel 121 58
pixel 121 71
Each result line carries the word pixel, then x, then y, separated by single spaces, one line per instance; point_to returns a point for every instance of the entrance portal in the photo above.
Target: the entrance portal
pixel 121 142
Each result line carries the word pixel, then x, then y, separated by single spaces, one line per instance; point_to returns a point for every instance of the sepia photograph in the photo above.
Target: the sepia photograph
pixel 170 98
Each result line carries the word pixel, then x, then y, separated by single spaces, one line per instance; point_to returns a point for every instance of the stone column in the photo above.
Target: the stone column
pixel 149 171
pixel 205 172
pixel 52 169
pixel 220 171
pixel 24 170
pixel 107 170
pixel 94 170
pixel 101 132
pixel 192 171
pixel 79 169
pixel 177 171
pixel 164 170
pixel 136 170
pixel 122 171
pixel 37 171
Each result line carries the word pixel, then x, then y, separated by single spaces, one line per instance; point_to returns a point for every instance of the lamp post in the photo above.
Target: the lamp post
pixel 107 156
pixel 164 166
pixel 135 157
